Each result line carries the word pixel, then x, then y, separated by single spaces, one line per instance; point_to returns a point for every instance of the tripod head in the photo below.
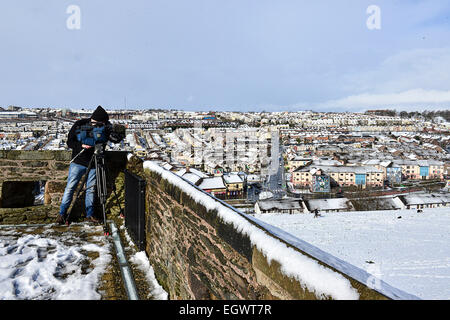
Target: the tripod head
pixel 99 149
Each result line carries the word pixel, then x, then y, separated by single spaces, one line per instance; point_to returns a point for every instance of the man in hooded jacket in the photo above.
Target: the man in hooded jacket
pixel 81 157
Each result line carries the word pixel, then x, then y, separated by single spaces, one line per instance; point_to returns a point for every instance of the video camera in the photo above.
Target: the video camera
pixel 94 135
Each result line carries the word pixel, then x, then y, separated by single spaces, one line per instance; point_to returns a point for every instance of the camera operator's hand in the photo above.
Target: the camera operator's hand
pixel 86 146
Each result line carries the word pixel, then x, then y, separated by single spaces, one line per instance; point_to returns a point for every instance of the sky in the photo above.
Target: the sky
pixel 228 55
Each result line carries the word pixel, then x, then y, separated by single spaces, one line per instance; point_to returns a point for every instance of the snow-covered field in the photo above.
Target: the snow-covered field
pixel 406 249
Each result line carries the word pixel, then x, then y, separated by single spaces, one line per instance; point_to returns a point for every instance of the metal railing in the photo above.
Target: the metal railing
pixel 135 208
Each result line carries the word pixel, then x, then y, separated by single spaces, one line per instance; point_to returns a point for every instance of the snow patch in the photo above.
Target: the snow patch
pixel 140 260
pixel 33 267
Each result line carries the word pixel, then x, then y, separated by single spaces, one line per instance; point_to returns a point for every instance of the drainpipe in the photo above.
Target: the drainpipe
pixel 125 270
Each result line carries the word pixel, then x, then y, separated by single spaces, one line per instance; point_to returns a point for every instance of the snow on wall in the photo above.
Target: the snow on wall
pixel 323 281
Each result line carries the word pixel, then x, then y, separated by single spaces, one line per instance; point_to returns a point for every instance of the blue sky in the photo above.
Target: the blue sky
pixel 241 55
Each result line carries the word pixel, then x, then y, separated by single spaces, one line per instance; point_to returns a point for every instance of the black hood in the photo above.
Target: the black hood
pixel 100 115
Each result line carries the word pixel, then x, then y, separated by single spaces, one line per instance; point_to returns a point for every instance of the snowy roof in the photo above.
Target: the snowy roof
pixel 385 163
pixel 191 170
pixel 422 163
pixel 348 169
pixel 328 204
pixel 374 162
pixel 288 204
pixel 191 177
pixel 300 158
pixel 212 183
pixel 425 198
pixel 167 166
pixel 323 162
pixel 232 178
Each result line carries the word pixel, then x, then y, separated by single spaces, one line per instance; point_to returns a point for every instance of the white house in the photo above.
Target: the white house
pixel 328 205
pixel 291 206
pixel 423 200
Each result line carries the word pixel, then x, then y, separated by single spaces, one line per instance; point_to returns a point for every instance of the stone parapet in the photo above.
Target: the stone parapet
pixel 197 254
pixel 21 169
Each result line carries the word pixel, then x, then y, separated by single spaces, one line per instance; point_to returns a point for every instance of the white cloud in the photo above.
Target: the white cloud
pixel 416 98
pixel 406 70
pixel 416 79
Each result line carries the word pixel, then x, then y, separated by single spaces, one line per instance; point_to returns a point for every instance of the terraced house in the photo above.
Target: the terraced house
pixel 421 169
pixel 343 176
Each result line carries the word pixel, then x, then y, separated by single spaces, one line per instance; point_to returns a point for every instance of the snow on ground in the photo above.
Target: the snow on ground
pixel 408 250
pixel 42 263
pixel 140 260
pixel 59 263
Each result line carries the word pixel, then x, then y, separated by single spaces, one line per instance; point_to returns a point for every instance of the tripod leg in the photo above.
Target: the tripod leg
pixel 101 187
pixel 113 187
pixel 121 213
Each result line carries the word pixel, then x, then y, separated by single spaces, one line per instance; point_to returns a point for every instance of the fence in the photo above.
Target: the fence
pixel 135 208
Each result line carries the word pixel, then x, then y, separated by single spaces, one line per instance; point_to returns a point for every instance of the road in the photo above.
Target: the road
pixel 276 179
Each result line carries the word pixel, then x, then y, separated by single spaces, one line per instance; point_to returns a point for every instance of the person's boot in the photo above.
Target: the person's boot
pixel 60 219
pixel 91 219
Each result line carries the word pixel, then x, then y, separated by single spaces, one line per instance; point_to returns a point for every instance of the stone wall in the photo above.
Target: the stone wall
pixel 196 255
pixel 19 168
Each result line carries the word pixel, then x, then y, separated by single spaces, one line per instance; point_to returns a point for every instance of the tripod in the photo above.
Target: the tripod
pixel 98 160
